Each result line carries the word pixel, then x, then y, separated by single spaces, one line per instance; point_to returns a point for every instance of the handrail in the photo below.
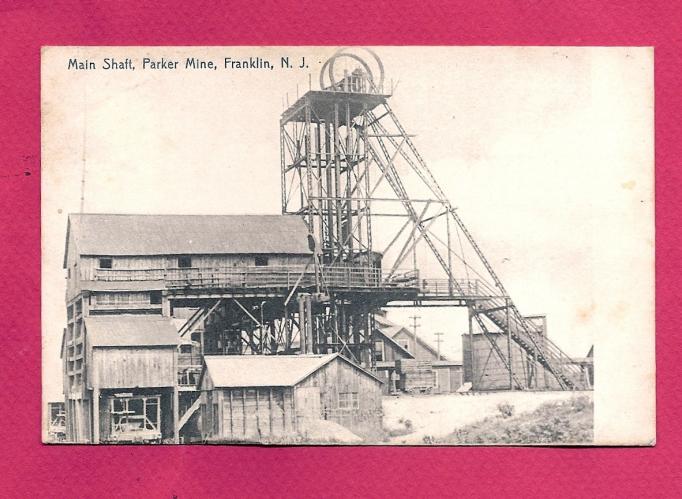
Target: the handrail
pixel 540 344
pixel 284 276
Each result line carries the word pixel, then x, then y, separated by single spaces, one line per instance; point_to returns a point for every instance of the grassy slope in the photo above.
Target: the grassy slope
pixel 563 422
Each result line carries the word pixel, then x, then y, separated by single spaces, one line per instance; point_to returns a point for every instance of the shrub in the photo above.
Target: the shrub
pixel 580 404
pixel 506 409
pixel 555 422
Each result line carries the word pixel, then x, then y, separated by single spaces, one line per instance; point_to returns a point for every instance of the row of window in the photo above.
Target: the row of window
pixel 184 262
pixel 121 299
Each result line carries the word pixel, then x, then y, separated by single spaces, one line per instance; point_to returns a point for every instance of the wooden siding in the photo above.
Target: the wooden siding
pixel 72 271
pixel 89 264
pixel 456 378
pixel 103 301
pixel 420 352
pixel 490 373
pixel 132 367
pixel 254 414
pixel 248 414
pixel 337 378
pixel 268 413
pixel 392 352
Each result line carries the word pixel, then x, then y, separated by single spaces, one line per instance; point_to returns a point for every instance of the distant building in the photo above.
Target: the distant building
pixel 587 365
pixel 394 343
pixel 486 371
pixel 269 397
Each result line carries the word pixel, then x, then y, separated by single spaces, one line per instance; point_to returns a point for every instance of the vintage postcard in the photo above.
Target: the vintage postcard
pixel 356 245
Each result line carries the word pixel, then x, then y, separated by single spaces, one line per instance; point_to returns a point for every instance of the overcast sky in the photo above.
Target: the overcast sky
pixel 546 152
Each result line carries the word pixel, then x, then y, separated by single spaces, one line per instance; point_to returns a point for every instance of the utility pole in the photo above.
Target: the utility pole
pixel 438 342
pixel 415 325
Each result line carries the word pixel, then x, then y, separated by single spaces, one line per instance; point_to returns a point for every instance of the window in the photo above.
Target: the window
pixel 379 351
pixel 405 344
pixel 68 273
pixel 184 262
pixel 185 348
pixel 105 263
pixel 349 400
pixel 261 261
pixel 155 298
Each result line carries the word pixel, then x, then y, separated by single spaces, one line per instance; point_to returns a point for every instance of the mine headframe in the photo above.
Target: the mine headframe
pixel 346 164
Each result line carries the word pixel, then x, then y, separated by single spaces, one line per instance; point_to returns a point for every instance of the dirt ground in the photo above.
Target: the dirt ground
pixel 439 415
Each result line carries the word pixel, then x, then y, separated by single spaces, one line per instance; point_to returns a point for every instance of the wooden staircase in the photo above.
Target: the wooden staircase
pixel 534 342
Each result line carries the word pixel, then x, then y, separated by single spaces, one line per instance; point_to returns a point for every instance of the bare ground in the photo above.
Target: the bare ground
pixel 419 419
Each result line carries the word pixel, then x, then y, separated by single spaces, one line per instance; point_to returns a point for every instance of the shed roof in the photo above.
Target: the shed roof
pixel 130 331
pixel 128 235
pixel 241 371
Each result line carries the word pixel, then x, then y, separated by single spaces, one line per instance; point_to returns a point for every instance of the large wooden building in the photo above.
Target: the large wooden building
pixel 121 353
pixel 267 398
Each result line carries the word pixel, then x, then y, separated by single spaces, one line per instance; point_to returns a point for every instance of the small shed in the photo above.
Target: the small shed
pixel 132 371
pixel 267 398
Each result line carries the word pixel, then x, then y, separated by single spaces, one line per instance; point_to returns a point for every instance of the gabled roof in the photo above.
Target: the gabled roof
pixel 129 235
pixel 242 371
pixel 130 331
pixel 392 329
pixel 379 329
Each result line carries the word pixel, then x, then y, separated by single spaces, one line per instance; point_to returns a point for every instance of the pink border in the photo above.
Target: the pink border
pixel 31 469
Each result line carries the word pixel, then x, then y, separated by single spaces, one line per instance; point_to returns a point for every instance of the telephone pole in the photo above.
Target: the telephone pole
pixel 415 325
pixel 438 342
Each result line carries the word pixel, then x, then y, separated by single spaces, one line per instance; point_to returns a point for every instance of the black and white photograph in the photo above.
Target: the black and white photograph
pixel 348 245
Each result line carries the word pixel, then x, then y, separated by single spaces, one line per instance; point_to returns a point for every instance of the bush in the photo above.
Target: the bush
pixel 506 409
pixel 581 404
pixel 557 422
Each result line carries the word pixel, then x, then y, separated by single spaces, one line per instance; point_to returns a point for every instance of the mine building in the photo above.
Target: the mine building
pixel 150 297
pixel 130 373
pixel 487 372
pixel 272 398
pixel 406 362
pixel 129 280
